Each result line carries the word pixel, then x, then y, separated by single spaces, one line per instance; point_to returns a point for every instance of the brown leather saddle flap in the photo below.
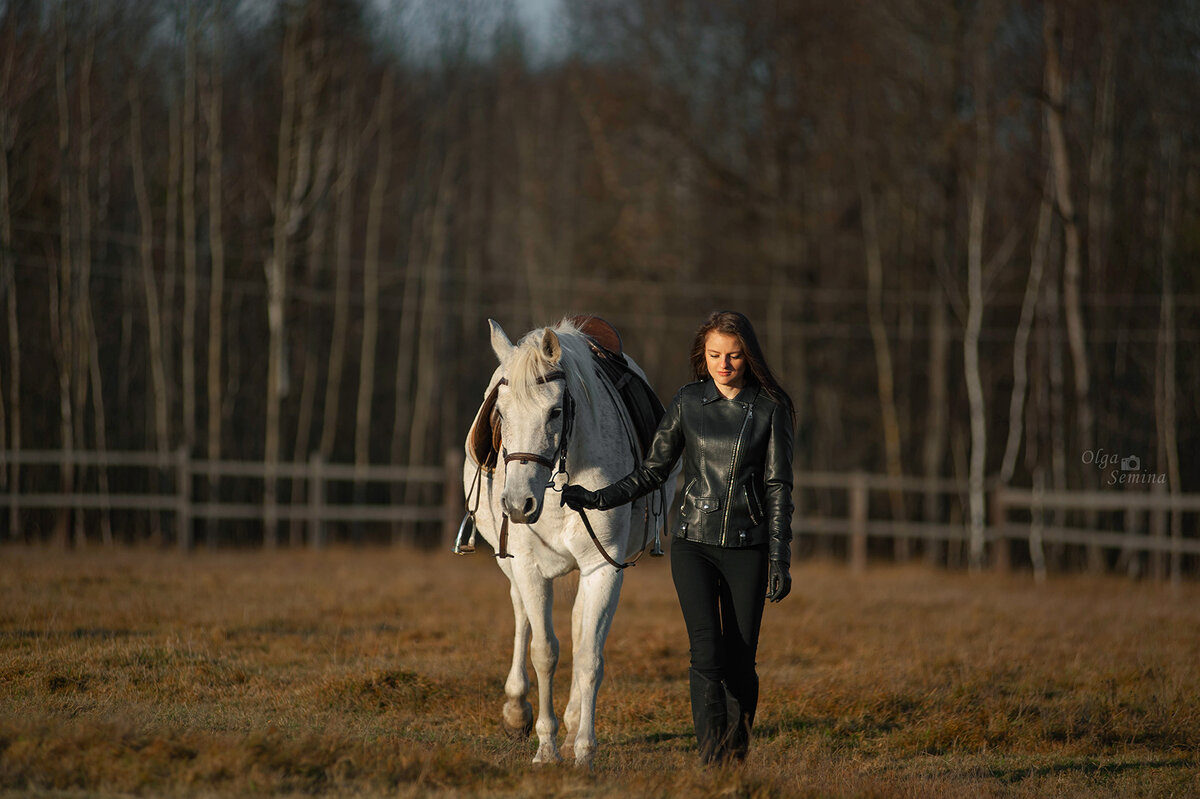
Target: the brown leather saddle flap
pixel 483 442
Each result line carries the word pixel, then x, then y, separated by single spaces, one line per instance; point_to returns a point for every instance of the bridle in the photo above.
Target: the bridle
pixel 557 463
pixel 568 425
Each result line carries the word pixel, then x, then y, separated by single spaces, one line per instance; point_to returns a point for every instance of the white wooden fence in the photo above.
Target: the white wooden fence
pixel 315 476
pixel 1017 516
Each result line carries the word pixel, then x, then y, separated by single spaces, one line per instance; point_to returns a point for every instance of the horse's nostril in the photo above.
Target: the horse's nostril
pixel 529 505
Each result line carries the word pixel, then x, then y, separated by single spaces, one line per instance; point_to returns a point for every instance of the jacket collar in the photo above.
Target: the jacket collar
pixel 748 394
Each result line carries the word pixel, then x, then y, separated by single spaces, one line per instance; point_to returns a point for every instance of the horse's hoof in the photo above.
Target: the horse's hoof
pixel 518 723
pixel 546 755
pixel 583 759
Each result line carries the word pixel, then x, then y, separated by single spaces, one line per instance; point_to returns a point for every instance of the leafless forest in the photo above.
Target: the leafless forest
pixel 966 230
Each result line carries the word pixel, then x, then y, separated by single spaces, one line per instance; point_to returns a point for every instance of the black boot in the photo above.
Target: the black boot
pixel 742 702
pixel 709 715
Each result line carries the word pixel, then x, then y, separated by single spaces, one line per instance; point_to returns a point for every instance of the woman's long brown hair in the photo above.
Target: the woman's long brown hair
pixel 733 323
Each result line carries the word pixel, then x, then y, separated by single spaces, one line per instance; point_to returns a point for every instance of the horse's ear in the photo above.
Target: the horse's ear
pixel 500 343
pixel 551 346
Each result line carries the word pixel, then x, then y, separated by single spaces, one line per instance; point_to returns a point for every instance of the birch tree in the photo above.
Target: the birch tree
pixel 977 208
pixel 297 186
pixel 1072 259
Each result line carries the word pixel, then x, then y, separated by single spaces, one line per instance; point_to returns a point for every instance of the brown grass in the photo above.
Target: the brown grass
pixel 379 672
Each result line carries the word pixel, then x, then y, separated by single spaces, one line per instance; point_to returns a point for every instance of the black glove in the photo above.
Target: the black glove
pixel 578 498
pixel 779 580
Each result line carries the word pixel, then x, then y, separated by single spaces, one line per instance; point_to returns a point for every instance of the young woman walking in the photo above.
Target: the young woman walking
pixel 731 547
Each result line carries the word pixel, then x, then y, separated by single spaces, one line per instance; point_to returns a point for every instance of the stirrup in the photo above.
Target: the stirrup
pixel 464 542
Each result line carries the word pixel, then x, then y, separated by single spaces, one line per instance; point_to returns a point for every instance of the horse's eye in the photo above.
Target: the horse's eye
pixel 555 413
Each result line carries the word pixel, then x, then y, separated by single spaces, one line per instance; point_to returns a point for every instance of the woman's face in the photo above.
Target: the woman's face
pixel 725 359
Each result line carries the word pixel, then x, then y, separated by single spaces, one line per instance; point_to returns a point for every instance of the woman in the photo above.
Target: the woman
pixel 732 543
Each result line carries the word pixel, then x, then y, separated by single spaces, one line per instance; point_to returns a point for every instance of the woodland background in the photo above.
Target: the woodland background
pixel 966 231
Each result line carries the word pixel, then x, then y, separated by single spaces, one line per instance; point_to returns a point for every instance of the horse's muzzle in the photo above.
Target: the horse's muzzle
pixel 528 513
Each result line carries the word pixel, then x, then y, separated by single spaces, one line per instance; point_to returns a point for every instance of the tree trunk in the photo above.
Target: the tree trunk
pixel 883 354
pixel 276 275
pixel 11 473
pixel 216 290
pixel 425 403
pixel 1050 341
pixel 62 289
pixel 344 203
pixel 188 354
pixel 89 349
pixel 977 208
pixel 1168 434
pixel 1072 301
pixel 308 384
pixel 366 375
pixel 159 411
pixel 1033 290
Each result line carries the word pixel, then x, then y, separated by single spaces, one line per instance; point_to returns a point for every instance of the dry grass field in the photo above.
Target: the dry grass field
pixel 378 672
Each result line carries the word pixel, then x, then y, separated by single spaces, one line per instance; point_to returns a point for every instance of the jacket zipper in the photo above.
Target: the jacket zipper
pixel 737 445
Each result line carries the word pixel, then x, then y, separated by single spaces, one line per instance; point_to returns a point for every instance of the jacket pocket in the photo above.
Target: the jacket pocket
pixel 754 504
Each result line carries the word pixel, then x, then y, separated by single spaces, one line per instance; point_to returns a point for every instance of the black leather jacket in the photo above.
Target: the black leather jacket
pixel 737 468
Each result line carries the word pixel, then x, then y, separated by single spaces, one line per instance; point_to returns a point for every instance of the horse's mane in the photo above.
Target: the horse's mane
pixel 529 363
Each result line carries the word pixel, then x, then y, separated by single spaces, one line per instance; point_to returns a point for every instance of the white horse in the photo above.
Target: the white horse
pixel 543 381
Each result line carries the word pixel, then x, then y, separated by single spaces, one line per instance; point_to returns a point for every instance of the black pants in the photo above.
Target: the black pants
pixel 721 592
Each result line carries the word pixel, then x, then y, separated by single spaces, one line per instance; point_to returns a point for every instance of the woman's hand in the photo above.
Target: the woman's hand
pixel 578 498
pixel 779 580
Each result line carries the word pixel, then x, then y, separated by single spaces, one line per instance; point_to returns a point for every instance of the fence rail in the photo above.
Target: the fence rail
pixel 1016 515
pixel 315 511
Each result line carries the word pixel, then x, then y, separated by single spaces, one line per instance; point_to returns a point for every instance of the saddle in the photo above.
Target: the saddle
pixel 639 399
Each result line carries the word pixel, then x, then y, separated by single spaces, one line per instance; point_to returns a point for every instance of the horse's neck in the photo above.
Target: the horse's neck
pixel 602 441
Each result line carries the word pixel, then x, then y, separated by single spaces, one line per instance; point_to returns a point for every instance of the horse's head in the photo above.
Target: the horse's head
pixel 535 410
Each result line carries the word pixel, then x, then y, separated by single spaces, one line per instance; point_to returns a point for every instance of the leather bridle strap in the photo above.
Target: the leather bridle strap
pixel 526 457
pixel 596 540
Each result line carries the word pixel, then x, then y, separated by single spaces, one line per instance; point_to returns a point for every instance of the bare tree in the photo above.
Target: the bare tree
pixel 297 187
pixel 1072 264
pixel 1165 371
pixel 366 375
pixel 350 147
pixel 1033 291
pixel 62 285
pixel 216 237
pixel 977 209
pixel 885 375
pixel 188 334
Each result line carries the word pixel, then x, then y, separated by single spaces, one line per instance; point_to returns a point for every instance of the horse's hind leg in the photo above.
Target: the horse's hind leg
pixel 518 713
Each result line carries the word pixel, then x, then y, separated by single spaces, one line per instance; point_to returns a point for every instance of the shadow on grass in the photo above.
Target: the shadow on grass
pixel 1089 767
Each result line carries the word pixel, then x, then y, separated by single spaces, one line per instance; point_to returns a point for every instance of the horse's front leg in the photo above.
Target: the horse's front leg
pixel 598 593
pixel 538 596
pixel 518 713
pixel 571 716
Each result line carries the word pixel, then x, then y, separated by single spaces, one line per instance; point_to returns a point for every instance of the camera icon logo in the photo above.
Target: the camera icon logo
pixel 1131 464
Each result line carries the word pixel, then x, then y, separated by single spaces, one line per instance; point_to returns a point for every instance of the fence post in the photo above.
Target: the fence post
pixel 999 523
pixel 316 501
pixel 858 523
pixel 452 497
pixel 183 499
pixel 1158 530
